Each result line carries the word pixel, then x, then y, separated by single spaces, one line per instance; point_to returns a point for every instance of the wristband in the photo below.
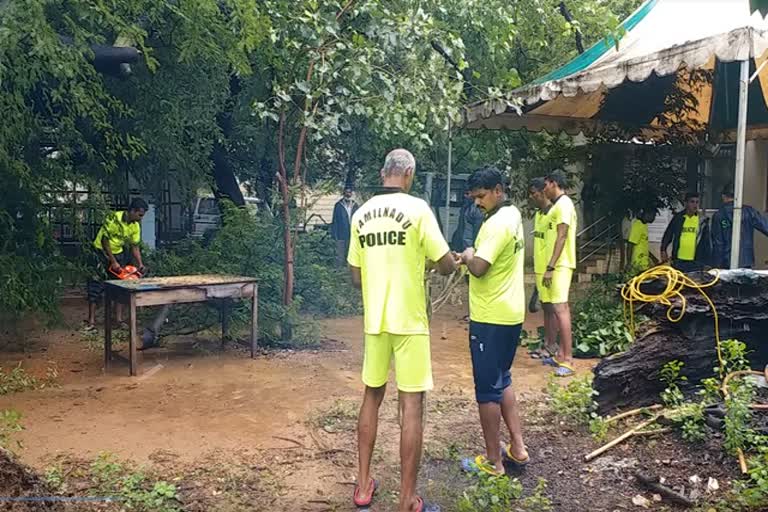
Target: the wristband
pixel 550 269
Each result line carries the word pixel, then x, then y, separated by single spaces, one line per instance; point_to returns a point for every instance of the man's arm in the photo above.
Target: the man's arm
pixel 718 244
pixel 113 264
pixel 667 238
pixel 759 221
pixel 357 278
pixel 477 266
pixel 136 251
pixel 562 236
pixel 335 222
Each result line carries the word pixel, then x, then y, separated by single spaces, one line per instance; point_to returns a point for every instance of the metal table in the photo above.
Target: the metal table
pixel 157 291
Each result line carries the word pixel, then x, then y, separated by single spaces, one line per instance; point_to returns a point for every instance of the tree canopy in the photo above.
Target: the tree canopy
pixel 279 93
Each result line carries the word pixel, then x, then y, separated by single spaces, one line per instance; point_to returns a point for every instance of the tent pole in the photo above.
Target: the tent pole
pixel 447 225
pixel 741 145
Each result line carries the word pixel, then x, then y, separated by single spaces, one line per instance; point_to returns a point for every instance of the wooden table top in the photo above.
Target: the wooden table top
pixel 175 282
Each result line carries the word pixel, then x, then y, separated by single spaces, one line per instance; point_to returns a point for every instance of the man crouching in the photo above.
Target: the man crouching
pixel 496 312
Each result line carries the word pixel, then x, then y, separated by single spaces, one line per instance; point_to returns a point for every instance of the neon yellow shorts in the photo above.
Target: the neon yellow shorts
pixel 557 292
pixel 413 362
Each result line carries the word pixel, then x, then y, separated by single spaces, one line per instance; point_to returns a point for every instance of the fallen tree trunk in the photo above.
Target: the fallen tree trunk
pixel 631 378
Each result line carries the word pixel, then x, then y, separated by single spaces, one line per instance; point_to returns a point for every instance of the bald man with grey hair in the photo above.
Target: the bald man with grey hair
pixel 399 162
pixel 393 234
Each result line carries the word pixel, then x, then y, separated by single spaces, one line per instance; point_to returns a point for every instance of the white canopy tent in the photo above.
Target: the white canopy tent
pixel 663 37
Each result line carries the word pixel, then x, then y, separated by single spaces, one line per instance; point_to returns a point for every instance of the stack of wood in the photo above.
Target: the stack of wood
pixel 631 379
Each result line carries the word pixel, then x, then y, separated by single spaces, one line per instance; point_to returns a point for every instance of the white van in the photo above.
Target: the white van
pixel 207 217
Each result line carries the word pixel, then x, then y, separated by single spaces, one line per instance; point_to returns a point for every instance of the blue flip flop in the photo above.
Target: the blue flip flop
pixel 564 370
pixel 479 464
pixel 550 361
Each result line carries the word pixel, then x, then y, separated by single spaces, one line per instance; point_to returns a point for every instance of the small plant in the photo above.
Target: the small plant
pixel 599 328
pixel 670 375
pixel 132 488
pixel 490 494
pixel 538 501
pixel 10 422
pixel 16 380
pixel 738 416
pixel 734 355
pixel 694 429
pixel 341 416
pixel 576 402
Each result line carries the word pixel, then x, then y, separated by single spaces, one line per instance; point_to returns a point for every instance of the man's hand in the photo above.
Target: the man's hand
pixel 467 255
pixel 547 281
pixel 114 266
pixel 142 270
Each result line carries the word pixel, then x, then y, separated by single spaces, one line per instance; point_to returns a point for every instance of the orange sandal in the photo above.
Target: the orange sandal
pixel 373 487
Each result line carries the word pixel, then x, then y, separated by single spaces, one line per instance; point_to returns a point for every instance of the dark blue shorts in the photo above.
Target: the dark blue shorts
pixel 493 350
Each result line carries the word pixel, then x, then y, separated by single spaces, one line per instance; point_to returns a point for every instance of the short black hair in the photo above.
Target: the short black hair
pixel 558 177
pixel 691 195
pixel 486 178
pixel 537 184
pixel 728 190
pixel 138 203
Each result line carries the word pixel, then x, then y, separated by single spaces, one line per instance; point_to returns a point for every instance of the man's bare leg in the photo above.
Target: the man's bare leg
pixel 367 427
pixel 563 316
pixel 411 432
pixel 490 421
pixel 511 414
pixel 550 329
pixel 92 314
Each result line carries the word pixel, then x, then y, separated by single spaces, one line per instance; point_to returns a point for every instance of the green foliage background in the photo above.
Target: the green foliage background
pixel 218 74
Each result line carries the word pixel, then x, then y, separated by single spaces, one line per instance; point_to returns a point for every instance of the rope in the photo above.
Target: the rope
pixel 676 283
pixel 451 283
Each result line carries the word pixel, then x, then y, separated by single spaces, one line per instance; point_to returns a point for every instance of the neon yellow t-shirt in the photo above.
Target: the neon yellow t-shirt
pixel 119 232
pixel 638 236
pixel 498 297
pixel 563 212
pixel 392 237
pixel 540 232
pixel 688 236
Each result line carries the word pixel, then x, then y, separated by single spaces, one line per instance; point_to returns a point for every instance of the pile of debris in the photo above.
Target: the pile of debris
pixel 19 484
pixel 631 379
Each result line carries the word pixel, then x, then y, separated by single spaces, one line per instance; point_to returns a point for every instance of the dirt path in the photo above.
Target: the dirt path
pixel 199 403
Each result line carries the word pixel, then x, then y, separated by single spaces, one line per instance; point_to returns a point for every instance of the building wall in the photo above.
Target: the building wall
pixel 756 190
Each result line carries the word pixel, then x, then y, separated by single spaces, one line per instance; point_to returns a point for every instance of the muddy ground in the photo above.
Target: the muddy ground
pixel 277 432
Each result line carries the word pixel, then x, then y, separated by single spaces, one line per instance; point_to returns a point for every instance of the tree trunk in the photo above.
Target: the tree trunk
pixel 282 178
pixel 223 174
pixel 631 379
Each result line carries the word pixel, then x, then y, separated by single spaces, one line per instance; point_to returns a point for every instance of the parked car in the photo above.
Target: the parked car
pixel 206 215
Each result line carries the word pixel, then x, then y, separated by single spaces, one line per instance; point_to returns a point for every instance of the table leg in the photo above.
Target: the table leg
pixel 224 321
pixel 255 321
pixel 133 337
pixel 107 330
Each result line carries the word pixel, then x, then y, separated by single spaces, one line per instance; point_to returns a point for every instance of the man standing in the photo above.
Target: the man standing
pixel 468 226
pixel 541 229
pixel 119 230
pixel 684 232
pixel 722 231
pixel 640 259
pixel 393 234
pixel 342 216
pixel 496 312
pixel 556 281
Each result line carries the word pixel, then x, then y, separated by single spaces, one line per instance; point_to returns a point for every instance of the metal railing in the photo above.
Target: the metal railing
pixel 604 228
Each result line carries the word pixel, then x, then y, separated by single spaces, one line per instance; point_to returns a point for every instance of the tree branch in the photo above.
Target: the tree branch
pixel 569 18
pixel 465 73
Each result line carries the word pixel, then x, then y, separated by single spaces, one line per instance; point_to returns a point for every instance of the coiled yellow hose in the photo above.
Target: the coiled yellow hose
pixel 676 283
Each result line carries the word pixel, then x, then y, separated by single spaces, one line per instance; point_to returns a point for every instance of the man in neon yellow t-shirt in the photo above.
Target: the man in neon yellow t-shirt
pixel 684 232
pixel 556 281
pixel 496 313
pixel 392 236
pixel 120 230
pixel 638 241
pixel 541 244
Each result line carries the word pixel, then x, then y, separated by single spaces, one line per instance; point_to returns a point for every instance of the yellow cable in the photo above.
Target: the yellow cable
pixel 676 283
